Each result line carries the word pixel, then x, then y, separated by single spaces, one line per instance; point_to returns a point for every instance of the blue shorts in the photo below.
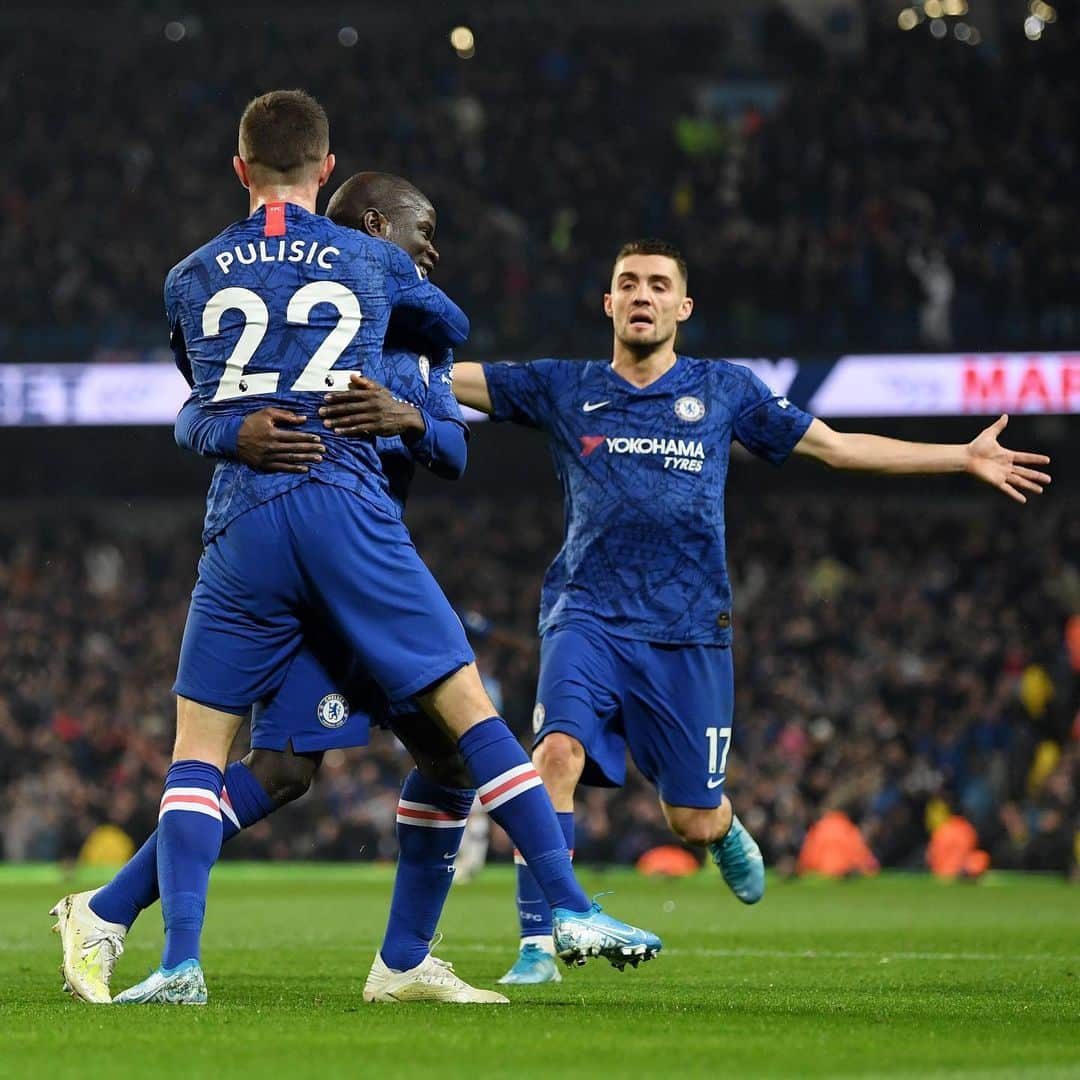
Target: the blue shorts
pixel 317 560
pixel 325 702
pixel 670 705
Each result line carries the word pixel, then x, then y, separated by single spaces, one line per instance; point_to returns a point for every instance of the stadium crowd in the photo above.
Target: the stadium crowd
pixel 895 661
pixel 920 193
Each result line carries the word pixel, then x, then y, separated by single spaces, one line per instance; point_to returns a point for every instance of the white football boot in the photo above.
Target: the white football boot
pixel 90 947
pixel 431 980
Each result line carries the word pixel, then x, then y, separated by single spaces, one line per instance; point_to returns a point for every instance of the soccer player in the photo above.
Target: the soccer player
pixel 318 707
pixel 282 305
pixel 635 618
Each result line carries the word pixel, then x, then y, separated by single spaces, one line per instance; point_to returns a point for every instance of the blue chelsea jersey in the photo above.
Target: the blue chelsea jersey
pixel 281 308
pixel 426 381
pixel 643 472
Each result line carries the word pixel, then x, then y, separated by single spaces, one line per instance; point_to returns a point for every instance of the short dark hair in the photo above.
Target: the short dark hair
pixel 651 246
pixel 384 192
pixel 284 132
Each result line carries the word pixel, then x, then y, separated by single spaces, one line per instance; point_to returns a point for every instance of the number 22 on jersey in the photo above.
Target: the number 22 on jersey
pixel 316 374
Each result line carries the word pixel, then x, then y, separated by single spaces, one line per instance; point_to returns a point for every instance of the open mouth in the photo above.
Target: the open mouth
pixel 641 318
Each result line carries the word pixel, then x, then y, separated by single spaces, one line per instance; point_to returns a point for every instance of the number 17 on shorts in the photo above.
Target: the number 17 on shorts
pixel 719 742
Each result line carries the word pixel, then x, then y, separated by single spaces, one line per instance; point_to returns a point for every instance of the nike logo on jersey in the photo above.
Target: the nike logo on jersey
pixel 710 784
pixel 592 406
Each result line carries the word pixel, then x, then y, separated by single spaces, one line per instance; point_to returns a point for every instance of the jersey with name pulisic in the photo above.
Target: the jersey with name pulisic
pixel 643 472
pixel 281 308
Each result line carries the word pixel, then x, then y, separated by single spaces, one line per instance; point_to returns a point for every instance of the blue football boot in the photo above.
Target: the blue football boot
pixel 579 935
pixel 740 862
pixel 534 965
pixel 181 985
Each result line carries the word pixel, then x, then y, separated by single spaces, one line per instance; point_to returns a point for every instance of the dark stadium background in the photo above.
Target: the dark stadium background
pixel 902 646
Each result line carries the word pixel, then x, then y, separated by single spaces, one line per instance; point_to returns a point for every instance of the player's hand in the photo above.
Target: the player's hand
pixel 1008 470
pixel 265 442
pixel 367 409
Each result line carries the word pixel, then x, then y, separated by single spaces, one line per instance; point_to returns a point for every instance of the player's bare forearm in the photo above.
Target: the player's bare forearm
pixel 470 386
pixel 876 453
pixel 1010 471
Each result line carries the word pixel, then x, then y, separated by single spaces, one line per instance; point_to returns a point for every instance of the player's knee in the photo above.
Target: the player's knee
pixel 283 775
pixel 448 771
pixel 559 757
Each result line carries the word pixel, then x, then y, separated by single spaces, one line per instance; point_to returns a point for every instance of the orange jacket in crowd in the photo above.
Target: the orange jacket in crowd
pixel 954 850
pixel 835 847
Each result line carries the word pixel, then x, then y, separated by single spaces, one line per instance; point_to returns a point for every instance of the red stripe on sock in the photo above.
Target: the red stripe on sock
pixel 427 815
pixel 513 782
pixel 206 801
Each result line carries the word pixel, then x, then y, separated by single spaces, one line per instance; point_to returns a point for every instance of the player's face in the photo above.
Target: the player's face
pixel 412 227
pixel 647 301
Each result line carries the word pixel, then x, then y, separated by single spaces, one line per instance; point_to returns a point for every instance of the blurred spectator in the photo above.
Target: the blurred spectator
pixel 954 850
pixel 796 182
pixel 834 847
pixel 890 662
pixel 939 287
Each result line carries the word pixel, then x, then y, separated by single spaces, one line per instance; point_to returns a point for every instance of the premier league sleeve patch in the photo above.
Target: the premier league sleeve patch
pixel 690 409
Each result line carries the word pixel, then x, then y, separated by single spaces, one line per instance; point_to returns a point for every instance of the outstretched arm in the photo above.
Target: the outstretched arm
pixel 984 457
pixel 470 386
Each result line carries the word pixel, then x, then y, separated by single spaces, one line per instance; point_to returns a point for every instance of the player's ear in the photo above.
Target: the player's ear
pixel 607 305
pixel 241 170
pixel 375 223
pixel 327 169
pixel 685 309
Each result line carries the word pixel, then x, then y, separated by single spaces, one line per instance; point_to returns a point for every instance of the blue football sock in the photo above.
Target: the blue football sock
pixel 534 912
pixel 243 801
pixel 512 792
pixel 135 887
pixel 189 839
pixel 430 824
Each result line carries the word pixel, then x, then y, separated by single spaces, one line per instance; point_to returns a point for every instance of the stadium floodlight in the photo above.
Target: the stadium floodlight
pixel 908 19
pixel 1033 27
pixel 463 42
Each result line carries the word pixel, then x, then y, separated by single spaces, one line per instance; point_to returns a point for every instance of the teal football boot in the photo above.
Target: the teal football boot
pixel 579 935
pixel 534 965
pixel 181 985
pixel 740 862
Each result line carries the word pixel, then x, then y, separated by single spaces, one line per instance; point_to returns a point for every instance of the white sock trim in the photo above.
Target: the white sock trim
pixel 542 941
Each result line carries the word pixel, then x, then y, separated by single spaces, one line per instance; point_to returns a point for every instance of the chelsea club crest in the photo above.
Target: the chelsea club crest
pixel 690 409
pixel 333 711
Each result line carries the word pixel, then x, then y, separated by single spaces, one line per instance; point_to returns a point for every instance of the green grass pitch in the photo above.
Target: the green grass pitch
pixel 900 976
